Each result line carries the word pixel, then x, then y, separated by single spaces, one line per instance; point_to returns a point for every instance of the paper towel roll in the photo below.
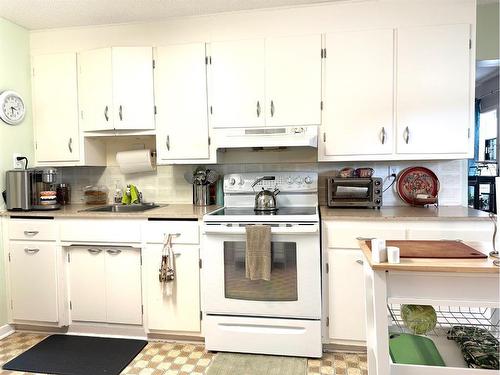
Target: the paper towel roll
pixel 135 161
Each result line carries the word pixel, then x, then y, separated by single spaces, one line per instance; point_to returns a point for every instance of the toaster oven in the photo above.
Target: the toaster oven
pixel 355 192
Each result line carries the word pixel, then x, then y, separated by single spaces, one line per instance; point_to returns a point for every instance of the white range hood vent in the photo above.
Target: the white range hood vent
pixel 264 137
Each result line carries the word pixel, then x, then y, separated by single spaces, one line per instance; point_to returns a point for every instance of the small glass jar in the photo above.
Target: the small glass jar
pixel 63 193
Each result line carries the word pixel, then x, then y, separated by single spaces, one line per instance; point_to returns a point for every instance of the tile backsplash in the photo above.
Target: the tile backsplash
pixel 167 184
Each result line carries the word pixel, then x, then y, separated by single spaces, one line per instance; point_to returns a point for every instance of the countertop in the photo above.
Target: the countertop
pixel 168 211
pixel 484 265
pixel 404 213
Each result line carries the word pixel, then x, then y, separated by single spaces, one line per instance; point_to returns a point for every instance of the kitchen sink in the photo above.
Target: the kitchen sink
pixel 141 207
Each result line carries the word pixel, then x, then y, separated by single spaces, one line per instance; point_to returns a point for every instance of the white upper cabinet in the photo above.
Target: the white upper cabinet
pixel 433 89
pixel 116 89
pixel 265 82
pixel 293 80
pixel 55 108
pixel 133 98
pixel 237 88
pixel 359 93
pixel 407 100
pixel 181 101
pixel 95 89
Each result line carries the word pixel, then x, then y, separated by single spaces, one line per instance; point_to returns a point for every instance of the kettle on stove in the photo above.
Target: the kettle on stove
pixel 265 200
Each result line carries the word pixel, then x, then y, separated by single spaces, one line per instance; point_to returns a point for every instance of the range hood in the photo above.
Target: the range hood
pixel 266 137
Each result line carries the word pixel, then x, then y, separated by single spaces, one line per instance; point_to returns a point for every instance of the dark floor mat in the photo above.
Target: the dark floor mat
pixel 77 355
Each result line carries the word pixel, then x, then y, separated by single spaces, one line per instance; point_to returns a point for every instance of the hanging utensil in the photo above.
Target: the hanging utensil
pixel 212 176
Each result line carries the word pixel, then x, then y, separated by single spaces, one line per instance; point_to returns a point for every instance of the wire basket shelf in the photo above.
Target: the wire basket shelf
pixel 478 319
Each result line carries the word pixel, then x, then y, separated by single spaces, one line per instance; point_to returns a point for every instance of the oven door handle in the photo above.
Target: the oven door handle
pixel 295 229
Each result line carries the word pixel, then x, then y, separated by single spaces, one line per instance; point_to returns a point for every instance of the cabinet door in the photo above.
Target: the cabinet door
pixel 33 279
pixel 123 286
pixel 55 108
pixel 133 99
pixel 358 104
pixel 181 100
pixel 179 311
pixel 87 284
pixel 347 295
pixel 433 89
pixel 236 91
pixel 95 89
pixel 293 80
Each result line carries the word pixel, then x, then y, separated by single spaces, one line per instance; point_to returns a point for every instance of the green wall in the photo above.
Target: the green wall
pixel 487 30
pixel 14 75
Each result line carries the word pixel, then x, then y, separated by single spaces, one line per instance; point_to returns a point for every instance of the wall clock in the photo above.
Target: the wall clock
pixel 12 109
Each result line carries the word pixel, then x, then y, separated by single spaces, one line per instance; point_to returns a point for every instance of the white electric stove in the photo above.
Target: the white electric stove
pixel 281 316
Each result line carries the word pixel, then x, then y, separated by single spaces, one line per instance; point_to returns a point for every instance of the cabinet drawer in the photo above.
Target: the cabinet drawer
pixel 188 231
pixel 465 231
pixel 101 230
pixel 345 234
pixel 39 230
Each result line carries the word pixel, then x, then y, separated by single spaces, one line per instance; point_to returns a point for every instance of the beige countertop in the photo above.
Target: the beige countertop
pixel 404 213
pixel 168 211
pixel 484 265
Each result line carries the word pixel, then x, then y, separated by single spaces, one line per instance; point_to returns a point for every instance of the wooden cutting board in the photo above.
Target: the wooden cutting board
pixel 434 249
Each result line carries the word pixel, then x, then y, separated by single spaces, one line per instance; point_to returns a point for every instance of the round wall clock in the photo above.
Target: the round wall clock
pixel 12 109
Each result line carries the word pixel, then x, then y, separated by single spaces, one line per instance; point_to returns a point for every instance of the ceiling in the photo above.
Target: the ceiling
pixel 46 14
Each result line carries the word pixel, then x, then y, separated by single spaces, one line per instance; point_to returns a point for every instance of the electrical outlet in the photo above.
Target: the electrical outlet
pixel 392 170
pixel 17 164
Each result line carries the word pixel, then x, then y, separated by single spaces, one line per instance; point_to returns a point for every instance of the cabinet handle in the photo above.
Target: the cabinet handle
pixel 113 251
pixel 106 109
pixel 258 108
pixel 94 251
pixel 31 233
pixel 406 135
pixel 70 145
pixel 120 113
pixel 382 135
pixel 359 261
pixel 31 250
pixel 168 143
pixel 272 108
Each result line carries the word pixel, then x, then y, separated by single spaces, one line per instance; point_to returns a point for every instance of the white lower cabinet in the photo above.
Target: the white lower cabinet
pixel 174 307
pixel 347 295
pixel 105 284
pixel 33 280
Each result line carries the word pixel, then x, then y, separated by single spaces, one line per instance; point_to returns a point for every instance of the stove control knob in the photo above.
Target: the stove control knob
pixel 289 180
pixel 241 182
pixel 308 180
pixel 377 191
pixel 298 180
pixel 232 181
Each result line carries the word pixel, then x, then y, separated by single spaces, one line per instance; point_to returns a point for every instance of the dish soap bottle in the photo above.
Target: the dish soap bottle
pixel 117 198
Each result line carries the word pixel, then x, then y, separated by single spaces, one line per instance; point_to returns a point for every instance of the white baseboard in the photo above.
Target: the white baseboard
pixel 6 330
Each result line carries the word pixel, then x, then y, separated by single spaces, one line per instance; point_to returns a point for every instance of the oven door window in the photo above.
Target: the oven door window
pixel 283 283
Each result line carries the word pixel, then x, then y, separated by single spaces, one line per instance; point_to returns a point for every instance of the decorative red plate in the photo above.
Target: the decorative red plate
pixel 417 186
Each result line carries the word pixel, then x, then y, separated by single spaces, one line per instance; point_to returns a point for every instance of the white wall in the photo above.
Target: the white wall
pixel 252 24
pixel 14 75
pixel 488 31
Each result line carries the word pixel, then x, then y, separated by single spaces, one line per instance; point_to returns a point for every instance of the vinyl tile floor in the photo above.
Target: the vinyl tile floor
pixel 168 358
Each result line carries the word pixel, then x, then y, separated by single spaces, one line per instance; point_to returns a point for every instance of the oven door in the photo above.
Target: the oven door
pixel 295 286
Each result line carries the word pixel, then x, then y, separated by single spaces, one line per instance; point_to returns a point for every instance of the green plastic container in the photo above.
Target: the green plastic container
pixel 411 349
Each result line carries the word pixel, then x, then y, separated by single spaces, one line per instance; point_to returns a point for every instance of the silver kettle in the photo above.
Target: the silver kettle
pixel 265 200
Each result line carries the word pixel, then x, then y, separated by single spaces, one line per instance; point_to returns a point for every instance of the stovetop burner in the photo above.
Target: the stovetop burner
pixel 249 211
